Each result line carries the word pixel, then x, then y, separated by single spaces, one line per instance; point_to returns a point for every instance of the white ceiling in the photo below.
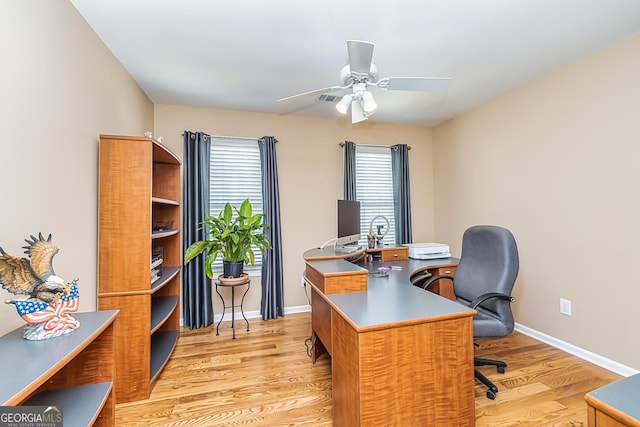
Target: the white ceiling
pixel 246 54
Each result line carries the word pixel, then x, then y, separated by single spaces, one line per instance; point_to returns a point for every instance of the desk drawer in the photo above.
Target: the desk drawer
pixel 395 254
pixel 448 271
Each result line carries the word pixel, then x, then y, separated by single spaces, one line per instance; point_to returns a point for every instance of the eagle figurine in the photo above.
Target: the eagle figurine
pixel 34 276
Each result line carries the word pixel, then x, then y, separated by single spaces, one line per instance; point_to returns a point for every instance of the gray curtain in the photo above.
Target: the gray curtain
pixel 197 308
pixel 272 303
pixel 349 170
pixel 401 192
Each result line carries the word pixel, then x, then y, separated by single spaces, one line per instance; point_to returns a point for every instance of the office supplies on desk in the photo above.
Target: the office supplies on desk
pixel 382 271
pixel 389 267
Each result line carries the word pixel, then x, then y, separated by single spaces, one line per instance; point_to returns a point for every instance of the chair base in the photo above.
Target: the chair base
pixel 492 389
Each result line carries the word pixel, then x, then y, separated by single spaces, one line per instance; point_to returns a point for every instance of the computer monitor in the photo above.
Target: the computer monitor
pixel 348 222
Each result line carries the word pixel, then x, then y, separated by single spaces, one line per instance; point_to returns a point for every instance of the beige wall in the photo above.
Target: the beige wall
pixel 556 161
pixel 310 174
pixel 60 88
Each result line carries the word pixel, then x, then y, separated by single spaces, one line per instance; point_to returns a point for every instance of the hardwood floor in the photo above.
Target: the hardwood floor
pixel 265 378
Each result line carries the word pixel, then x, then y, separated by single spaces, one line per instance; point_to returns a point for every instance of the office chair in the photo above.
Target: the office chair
pixel 484 280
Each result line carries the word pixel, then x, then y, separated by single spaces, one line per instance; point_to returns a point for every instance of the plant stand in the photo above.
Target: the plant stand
pixel 232 283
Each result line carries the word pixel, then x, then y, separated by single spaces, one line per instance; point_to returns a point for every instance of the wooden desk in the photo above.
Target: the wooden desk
pixel 615 404
pixel 435 267
pixel 400 355
pixel 73 371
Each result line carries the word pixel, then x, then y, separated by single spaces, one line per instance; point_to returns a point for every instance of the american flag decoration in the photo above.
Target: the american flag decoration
pixel 49 320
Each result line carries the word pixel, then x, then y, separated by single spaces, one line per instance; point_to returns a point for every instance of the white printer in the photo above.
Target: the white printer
pixel 428 250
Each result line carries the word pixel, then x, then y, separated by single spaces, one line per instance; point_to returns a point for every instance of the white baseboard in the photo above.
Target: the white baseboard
pixel 254 314
pixel 596 359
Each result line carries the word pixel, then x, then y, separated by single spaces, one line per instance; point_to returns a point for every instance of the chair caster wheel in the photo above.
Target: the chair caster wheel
pixel 500 369
pixel 491 394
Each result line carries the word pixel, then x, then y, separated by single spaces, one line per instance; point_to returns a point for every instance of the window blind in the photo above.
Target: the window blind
pixel 374 190
pixel 235 175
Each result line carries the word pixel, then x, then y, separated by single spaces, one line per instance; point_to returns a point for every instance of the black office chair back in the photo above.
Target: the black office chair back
pixel 488 263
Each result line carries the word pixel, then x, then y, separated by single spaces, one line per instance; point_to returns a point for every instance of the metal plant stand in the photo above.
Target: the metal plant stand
pixel 232 283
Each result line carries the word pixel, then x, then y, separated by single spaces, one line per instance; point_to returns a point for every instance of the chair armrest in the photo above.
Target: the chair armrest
pixel 418 277
pixel 482 298
pixel 429 282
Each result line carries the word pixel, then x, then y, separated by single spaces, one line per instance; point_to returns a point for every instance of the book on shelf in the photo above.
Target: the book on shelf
pixel 155 262
pixel 156 257
pixel 156 273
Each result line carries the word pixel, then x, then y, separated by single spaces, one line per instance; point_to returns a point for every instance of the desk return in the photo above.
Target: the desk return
pixel 400 355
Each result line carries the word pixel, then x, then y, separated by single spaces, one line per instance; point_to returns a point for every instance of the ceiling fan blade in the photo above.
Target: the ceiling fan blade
pixel 360 56
pixel 357 112
pixel 313 93
pixel 421 84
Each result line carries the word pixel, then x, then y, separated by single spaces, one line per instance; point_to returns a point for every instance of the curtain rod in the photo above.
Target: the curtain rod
pixel 373 145
pixel 229 137
pixel 233 137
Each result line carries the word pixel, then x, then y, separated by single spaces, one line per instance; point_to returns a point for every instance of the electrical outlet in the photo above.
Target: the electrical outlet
pixel 302 282
pixel 565 307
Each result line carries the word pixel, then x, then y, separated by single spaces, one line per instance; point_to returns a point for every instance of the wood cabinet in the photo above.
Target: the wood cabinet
pixel 382 375
pixel 390 253
pixel 336 276
pixel 74 372
pixel 330 276
pixel 139 256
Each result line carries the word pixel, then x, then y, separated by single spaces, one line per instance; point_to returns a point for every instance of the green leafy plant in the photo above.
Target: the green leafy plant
pixel 230 237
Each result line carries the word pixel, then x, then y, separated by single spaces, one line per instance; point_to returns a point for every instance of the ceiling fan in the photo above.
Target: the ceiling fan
pixel 360 74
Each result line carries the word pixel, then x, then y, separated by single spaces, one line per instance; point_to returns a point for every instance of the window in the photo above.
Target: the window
pixel 374 190
pixel 235 175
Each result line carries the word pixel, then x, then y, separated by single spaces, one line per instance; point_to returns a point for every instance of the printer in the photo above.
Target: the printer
pixel 428 250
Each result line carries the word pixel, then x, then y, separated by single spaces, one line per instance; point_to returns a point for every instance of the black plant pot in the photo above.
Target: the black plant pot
pixel 232 269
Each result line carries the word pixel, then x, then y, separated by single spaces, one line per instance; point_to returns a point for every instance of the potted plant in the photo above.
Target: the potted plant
pixel 230 237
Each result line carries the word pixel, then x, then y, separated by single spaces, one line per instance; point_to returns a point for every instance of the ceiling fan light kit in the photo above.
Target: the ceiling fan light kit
pixel 360 74
pixel 361 96
pixel 343 105
pixel 368 103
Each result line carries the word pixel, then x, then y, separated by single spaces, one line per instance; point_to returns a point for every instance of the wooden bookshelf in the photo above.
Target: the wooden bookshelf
pixel 139 214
